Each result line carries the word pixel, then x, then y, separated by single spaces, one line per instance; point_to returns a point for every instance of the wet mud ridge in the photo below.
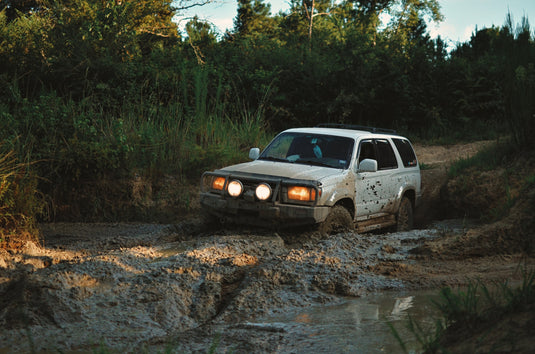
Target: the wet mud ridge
pixel 127 286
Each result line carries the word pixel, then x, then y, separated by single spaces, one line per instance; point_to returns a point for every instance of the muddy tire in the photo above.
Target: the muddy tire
pixel 405 218
pixel 338 220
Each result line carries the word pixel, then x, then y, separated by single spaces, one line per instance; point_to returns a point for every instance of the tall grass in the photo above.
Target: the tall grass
pixel 20 202
pixel 175 139
pixel 519 83
pixel 200 127
pixel 489 158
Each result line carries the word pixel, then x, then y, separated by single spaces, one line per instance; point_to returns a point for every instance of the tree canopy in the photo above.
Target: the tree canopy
pixel 320 61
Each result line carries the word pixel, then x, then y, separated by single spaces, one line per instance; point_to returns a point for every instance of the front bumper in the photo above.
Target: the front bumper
pixel 262 213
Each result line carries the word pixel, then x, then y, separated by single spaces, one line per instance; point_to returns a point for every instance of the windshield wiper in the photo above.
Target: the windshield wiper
pixel 271 158
pixel 314 162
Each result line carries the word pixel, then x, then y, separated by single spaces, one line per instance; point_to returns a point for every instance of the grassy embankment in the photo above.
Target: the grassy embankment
pixel 66 160
pixel 496 185
pixel 480 318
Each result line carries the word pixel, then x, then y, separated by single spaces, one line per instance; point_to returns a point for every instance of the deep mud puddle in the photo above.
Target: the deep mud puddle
pixel 358 325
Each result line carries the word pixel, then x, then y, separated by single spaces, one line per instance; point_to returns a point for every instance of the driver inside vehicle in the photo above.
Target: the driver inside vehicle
pixel 304 147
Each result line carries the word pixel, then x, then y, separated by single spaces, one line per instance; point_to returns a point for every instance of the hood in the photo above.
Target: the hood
pixel 283 169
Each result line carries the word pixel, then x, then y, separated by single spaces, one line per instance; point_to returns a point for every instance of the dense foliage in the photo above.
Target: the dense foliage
pixel 105 89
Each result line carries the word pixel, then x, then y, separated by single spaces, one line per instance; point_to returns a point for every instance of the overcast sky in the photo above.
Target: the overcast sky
pixel 460 16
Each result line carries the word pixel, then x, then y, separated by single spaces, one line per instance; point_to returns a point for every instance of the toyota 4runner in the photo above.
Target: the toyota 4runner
pixel 335 176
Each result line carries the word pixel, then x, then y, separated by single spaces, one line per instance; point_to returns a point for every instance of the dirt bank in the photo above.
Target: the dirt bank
pixel 135 286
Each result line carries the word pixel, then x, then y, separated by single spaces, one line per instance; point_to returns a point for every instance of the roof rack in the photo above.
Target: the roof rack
pixel 356 127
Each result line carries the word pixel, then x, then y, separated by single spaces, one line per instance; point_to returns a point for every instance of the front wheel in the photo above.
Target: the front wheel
pixel 405 218
pixel 338 220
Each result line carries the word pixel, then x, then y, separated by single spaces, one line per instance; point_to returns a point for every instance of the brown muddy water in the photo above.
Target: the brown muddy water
pixel 359 325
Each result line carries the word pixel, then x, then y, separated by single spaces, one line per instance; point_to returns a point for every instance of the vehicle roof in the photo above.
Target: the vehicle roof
pixel 349 133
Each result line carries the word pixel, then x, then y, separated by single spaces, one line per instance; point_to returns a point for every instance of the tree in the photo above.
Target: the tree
pixel 311 13
pixel 24 48
pixel 201 36
pixel 367 14
pixel 307 11
pixel 16 8
pixel 407 15
pixel 253 18
pixel 94 39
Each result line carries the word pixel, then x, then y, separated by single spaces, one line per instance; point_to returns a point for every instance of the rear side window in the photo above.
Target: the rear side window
pixel 406 152
pixel 387 159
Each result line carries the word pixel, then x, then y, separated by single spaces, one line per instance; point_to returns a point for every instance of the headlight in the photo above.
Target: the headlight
pixel 218 183
pixel 304 194
pixel 263 191
pixel 235 188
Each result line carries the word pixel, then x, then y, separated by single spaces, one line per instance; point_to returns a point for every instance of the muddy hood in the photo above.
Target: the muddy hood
pixel 282 169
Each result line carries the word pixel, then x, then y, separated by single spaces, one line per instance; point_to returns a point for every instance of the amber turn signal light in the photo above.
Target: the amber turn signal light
pixel 304 194
pixel 218 183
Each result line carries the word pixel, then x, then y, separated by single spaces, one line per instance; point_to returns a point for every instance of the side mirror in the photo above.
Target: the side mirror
pixel 254 153
pixel 367 165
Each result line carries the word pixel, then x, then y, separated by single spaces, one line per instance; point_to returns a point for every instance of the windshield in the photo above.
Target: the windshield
pixel 310 149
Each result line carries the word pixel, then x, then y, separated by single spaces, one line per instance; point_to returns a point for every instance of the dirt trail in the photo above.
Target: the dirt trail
pixel 437 160
pixel 446 154
pixel 135 286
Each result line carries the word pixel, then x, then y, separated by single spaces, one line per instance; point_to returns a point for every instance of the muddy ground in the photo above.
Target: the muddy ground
pixel 135 287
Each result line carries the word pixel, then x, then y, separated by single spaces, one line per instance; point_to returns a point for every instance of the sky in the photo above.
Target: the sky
pixel 460 16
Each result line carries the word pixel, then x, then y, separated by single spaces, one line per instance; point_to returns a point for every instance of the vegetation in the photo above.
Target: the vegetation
pixel 492 182
pixel 19 202
pixel 477 311
pixel 489 158
pixel 102 92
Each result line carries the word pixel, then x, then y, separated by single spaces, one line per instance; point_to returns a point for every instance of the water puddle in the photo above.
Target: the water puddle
pixel 358 325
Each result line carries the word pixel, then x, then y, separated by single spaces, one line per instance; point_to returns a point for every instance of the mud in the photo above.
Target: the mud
pixel 150 287
pixel 131 286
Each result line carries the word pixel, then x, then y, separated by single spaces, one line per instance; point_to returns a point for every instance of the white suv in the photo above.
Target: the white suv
pixel 336 176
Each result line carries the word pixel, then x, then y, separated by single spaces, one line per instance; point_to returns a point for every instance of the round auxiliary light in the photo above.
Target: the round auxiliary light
pixel 235 188
pixel 263 191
